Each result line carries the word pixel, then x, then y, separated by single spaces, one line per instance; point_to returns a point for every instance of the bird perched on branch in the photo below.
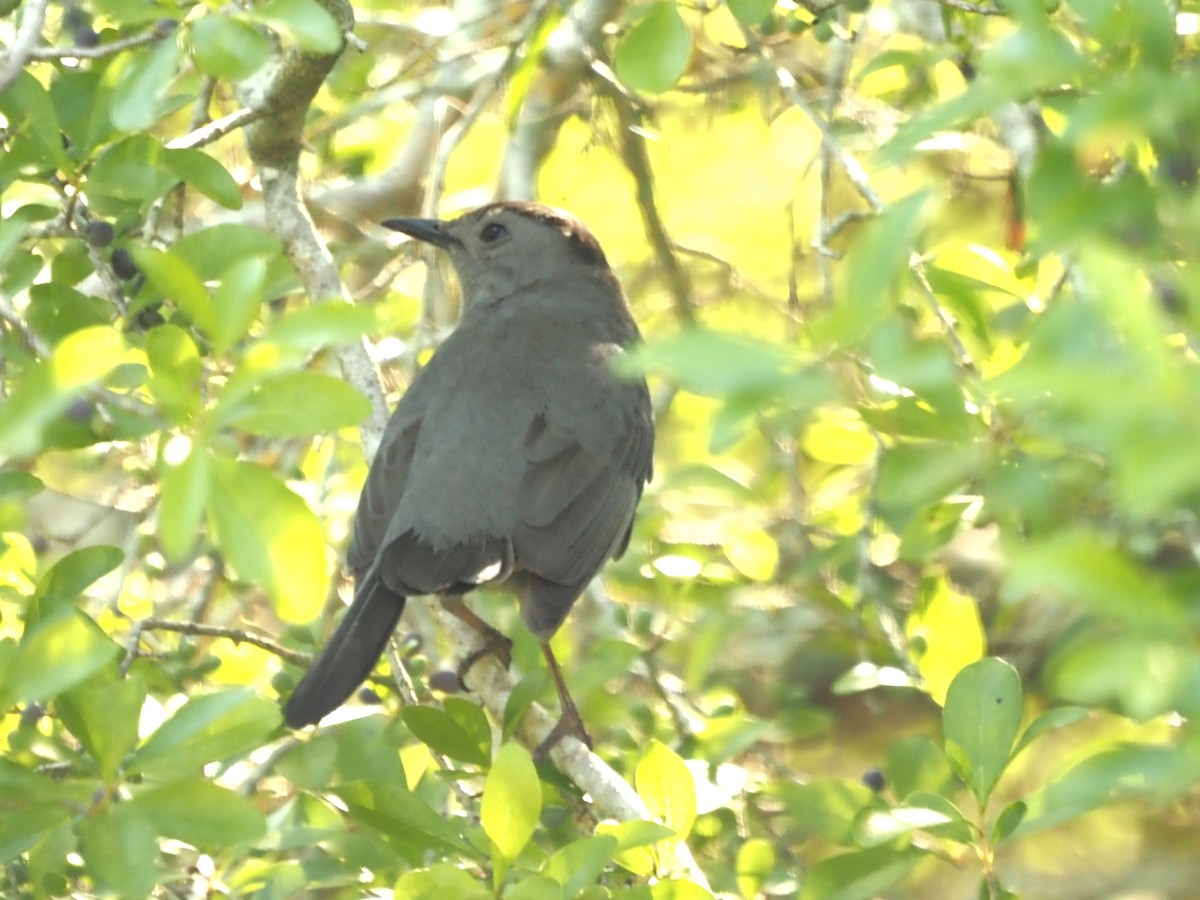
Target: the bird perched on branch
pixel 517 455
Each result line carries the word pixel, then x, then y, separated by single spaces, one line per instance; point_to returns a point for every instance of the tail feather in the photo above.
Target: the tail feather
pixel 345 662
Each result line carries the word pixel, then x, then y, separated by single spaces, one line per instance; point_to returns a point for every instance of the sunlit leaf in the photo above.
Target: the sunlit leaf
pixel 305 22
pixel 143 83
pixel 55 655
pixel 207 728
pixel 270 536
pixel 183 497
pixel 512 800
pixel 654 53
pixel 665 784
pixel 950 631
pixel 227 48
pixel 299 403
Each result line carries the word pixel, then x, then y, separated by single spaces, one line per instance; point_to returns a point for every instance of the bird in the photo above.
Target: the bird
pixel 516 457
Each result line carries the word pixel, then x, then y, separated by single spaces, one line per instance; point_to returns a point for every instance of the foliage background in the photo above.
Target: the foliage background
pixel 921 319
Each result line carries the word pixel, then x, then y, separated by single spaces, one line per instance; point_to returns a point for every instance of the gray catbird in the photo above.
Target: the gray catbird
pixel 517 455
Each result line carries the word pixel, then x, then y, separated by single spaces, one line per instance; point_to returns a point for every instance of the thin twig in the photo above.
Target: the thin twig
pixel 129 43
pixel 637 160
pixel 199 629
pixel 218 128
pixel 33 17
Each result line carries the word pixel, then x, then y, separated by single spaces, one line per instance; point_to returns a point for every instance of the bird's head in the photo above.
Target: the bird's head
pixel 503 248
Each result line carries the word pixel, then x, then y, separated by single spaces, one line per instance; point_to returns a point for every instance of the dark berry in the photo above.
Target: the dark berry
pixel 123 264
pixel 100 233
pixel 366 695
pixel 874 779
pixel 445 681
pixel 80 410
pixel 148 318
pixel 86 37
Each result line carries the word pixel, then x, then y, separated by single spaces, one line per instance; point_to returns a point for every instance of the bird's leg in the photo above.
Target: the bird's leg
pixel 493 641
pixel 569 721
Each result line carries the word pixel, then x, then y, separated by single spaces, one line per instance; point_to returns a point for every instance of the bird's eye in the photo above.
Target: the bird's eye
pixel 493 231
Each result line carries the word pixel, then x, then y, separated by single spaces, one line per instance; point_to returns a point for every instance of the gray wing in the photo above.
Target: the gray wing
pixel 384 487
pixel 576 500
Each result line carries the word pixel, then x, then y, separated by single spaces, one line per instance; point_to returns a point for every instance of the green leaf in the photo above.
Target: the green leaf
pixel 751 13
pixel 917 764
pixel 1049 721
pixel 578 865
pixel 119 851
pixel 883 826
pixel 228 48
pixel 174 278
pixel 633 838
pixel 980 721
pixel 73 574
pixel 177 372
pixel 142 84
pixel 17 486
pixel 368 748
pixel 439 881
pixel 955 828
pixel 55 655
pixel 473 720
pixel 654 53
pixel 31 116
pixel 298 404
pixel 270 536
pixel 947 625
pixel 755 861
pixel 200 813
pixel 409 825
pixel 665 784
pixel 34 804
pixel 208 728
pixel 713 363
pixel 828 807
pixel 103 715
pixel 309 765
pixel 47 388
pixel 512 800
pixel 183 497
pixel 320 325
pixel 1156 772
pixel 238 300
pixel 859 876
pixel 199 170
pixel 443 735
pixel 129 171
pixel 1007 822
pixel 303 21
pixel 678 889
pixel 1078 565
pixel 211 251
pixel 877 260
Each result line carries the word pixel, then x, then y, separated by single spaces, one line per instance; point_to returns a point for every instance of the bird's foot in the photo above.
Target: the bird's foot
pixel 568 725
pixel 494 644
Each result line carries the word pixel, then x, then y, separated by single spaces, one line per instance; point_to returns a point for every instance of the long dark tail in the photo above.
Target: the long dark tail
pixel 345 662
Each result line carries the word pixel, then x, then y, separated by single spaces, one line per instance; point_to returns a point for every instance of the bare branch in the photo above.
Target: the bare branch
pixel 637 160
pixel 33 17
pixel 206 134
pixel 152 36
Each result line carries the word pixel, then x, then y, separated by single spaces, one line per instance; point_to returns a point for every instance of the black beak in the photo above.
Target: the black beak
pixel 432 231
